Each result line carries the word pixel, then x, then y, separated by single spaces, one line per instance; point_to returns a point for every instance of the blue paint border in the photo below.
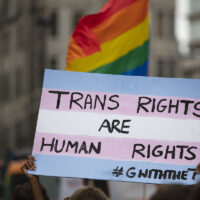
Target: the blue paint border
pixel 120 84
pixel 67 166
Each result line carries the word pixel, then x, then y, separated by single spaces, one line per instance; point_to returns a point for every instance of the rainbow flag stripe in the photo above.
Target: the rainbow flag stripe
pixel 113 41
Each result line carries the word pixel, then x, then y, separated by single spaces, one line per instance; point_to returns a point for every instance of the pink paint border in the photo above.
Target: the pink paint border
pixel 117 148
pixel 128 105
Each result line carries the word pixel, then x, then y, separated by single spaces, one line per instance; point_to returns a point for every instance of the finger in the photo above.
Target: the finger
pixel 33 165
pixel 30 157
pixel 197 171
pixel 30 164
pixel 26 166
pixel 33 158
pixel 24 169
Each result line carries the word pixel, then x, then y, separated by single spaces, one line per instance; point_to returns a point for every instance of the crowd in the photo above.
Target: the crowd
pixel 33 190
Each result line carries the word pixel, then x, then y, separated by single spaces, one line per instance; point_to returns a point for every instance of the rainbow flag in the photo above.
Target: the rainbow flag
pixel 113 41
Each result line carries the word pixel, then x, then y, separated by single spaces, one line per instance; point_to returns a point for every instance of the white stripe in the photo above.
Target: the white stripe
pixel 85 123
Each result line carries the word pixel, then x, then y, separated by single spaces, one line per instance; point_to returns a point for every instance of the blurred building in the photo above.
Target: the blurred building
pixel 191 64
pixel 33 34
pixel 163 44
pixel 194 18
pixel 17 84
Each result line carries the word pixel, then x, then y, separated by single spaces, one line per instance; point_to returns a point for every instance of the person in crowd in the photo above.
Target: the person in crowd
pixel 24 192
pixel 195 192
pixel 178 192
pixel 84 193
pixel 88 193
pixel 172 192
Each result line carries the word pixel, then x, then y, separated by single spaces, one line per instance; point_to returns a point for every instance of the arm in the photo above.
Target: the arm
pixel 33 179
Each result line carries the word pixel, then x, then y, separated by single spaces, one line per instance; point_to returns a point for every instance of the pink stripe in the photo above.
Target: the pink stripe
pixel 122 149
pixel 128 105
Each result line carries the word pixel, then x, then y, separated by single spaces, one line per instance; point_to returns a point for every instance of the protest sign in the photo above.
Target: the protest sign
pixel 124 128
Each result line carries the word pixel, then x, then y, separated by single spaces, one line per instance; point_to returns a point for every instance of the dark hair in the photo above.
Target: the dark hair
pixel 24 192
pixel 195 192
pixel 88 193
pixel 172 192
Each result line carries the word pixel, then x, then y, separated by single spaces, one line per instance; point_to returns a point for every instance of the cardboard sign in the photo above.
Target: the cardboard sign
pixel 123 128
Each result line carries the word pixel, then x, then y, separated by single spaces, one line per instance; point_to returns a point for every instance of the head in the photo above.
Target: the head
pixel 88 193
pixel 172 192
pixel 195 192
pixel 24 192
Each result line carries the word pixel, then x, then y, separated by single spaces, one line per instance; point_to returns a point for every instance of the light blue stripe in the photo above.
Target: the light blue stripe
pixel 78 81
pixel 64 166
